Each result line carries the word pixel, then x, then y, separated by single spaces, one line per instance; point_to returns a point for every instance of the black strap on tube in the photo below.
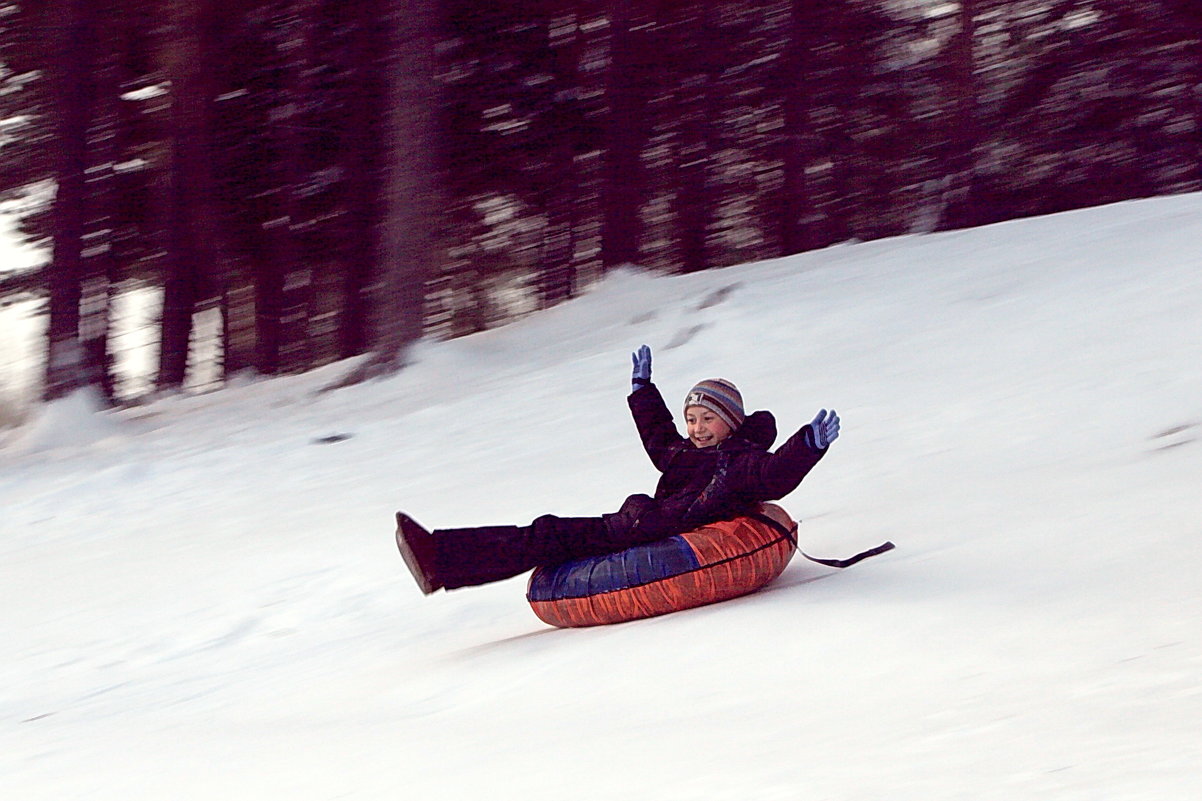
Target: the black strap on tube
pixel 839 563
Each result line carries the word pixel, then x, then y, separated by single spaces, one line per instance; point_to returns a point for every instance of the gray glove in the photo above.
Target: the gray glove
pixel 641 376
pixel 822 430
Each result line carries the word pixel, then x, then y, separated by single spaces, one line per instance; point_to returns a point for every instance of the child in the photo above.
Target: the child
pixel 721 470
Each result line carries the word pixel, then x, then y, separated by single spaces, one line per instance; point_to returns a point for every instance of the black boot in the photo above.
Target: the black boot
pixel 417 547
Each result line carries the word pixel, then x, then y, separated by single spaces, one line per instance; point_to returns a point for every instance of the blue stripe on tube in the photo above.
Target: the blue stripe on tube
pixel 633 567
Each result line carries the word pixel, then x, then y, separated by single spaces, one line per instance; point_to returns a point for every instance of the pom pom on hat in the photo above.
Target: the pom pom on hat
pixel 719 396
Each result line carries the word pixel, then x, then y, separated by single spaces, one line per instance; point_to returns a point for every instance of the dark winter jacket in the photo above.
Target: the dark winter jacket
pixel 704 485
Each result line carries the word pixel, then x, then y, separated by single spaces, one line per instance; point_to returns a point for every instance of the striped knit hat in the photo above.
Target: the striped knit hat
pixel 719 396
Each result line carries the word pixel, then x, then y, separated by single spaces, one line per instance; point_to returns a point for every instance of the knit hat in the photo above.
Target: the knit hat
pixel 719 396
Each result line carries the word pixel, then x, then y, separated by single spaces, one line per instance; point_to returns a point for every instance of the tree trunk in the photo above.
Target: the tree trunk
pixel 364 145
pixel 621 188
pixel 557 276
pixel 191 224
pixel 959 210
pixel 696 110
pixel 408 241
pixel 238 334
pixel 1190 15
pixel 73 29
pixel 287 277
pixel 796 213
pixel 561 189
pixel 100 258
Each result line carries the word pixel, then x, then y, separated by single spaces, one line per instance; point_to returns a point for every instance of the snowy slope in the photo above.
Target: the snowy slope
pixel 203 603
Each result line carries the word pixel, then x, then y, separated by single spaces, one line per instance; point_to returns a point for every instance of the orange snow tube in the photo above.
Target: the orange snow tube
pixel 709 564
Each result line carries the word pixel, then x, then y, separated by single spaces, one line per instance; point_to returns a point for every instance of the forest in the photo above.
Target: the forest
pixel 341 179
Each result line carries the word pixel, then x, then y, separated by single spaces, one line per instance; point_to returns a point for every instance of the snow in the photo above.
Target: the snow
pixel 133 327
pixel 204 601
pixel 16 255
pixel 73 422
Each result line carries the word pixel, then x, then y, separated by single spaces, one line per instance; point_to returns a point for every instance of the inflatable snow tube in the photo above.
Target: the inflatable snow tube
pixel 709 564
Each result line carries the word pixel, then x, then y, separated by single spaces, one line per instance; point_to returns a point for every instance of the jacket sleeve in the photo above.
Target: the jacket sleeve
pixel 656 427
pixel 777 474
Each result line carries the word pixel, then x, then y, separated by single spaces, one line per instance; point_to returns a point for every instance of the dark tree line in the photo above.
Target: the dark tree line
pixel 272 159
pixel 339 179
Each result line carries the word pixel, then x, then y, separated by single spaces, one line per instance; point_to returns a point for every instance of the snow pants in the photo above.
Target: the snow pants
pixel 470 556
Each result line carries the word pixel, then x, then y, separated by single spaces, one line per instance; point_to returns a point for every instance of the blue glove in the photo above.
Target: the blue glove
pixel 822 430
pixel 641 376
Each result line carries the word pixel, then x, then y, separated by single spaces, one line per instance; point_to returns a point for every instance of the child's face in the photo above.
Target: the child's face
pixel 706 429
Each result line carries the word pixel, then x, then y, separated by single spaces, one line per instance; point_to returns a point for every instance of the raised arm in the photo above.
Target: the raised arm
pixel 656 427
pixel 641 375
pixel 781 472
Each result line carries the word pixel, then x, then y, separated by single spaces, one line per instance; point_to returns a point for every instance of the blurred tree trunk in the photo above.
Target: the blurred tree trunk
pixel 625 133
pixel 72 29
pixel 408 241
pixel 696 112
pixel 191 224
pixel 364 146
pixel 849 74
pixel 1189 13
pixel 238 335
pixel 959 200
pixel 561 189
pixel 796 214
pixel 99 253
pixel 557 272
pixel 285 280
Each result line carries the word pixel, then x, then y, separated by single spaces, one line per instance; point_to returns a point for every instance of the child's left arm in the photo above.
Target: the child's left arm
pixel 781 472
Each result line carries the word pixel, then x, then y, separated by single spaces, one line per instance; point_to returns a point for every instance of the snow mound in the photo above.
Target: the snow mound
pixel 77 421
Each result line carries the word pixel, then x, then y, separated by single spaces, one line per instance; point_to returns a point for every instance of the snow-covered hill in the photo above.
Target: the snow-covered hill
pixel 203 601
